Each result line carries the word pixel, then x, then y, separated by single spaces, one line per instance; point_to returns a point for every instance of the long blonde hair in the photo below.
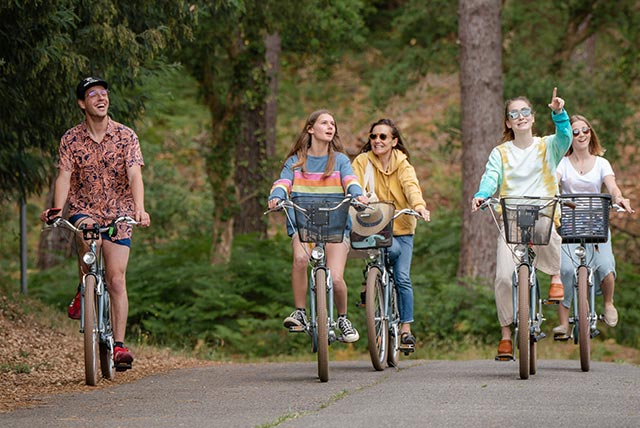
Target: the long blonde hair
pixel 303 142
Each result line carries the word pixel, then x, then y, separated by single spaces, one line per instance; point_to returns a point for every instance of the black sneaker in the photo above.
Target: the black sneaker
pixel 298 318
pixel 349 333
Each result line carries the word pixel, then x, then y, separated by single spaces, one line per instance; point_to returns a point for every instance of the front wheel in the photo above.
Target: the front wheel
pixel 91 334
pixel 584 330
pixel 322 325
pixel 523 321
pixel 377 326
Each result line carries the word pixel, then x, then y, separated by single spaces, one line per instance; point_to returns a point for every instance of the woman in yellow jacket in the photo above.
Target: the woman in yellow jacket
pixel 394 180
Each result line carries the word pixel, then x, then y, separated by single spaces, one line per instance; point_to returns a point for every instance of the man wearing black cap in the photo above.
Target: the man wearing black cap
pixel 100 177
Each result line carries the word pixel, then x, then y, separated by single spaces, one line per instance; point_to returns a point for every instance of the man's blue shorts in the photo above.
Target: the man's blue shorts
pixel 126 241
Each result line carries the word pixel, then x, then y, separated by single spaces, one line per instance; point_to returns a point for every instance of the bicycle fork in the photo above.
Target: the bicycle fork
pixel 593 317
pixel 313 324
pixel 535 304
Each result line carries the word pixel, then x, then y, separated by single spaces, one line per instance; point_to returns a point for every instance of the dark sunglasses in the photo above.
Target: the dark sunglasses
pixel 524 112
pixel 383 137
pixel 585 130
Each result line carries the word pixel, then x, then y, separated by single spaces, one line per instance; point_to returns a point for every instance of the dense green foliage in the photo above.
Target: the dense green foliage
pixel 177 298
pixel 47 47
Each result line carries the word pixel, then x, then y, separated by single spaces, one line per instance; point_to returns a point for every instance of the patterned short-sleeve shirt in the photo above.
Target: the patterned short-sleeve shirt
pixel 99 180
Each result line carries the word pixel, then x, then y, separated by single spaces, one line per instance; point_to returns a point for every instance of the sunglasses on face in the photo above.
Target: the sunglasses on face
pixel 96 92
pixel 524 112
pixel 585 130
pixel 383 137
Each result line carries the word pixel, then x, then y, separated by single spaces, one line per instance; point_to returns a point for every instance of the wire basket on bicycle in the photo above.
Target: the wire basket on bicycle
pixel 372 227
pixel 321 221
pixel 528 220
pixel 588 222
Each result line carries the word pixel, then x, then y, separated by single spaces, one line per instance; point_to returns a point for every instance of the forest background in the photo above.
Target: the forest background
pixel 217 92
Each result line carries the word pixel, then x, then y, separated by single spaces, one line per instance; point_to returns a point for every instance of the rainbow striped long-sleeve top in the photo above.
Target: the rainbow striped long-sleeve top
pixel 294 183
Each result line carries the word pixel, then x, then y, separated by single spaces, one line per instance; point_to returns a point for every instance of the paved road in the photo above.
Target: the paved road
pixel 421 394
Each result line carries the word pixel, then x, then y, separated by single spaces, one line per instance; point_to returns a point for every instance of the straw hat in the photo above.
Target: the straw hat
pixel 372 219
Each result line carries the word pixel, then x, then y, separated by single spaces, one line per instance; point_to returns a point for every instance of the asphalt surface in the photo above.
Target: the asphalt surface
pixel 420 394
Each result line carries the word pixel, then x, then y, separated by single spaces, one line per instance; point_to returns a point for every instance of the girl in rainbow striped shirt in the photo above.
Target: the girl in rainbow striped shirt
pixel 317 166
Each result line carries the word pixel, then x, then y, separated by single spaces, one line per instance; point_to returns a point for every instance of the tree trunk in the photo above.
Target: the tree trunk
pixel 482 122
pixel 249 172
pixel 273 43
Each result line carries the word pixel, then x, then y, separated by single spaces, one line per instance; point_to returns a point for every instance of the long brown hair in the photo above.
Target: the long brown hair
pixel 395 133
pixel 303 142
pixel 507 133
pixel 594 143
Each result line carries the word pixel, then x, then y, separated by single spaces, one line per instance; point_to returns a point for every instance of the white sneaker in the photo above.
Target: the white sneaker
pixel 298 318
pixel 349 333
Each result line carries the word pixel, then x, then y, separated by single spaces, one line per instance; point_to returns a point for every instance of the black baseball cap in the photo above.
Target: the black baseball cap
pixel 87 83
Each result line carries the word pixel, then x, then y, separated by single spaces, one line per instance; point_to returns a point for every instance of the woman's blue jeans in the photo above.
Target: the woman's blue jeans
pixel 400 254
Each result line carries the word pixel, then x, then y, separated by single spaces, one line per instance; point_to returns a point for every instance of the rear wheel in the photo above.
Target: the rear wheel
pixel 322 323
pixel 393 350
pixel 107 366
pixel 377 327
pixel 523 321
pixel 584 330
pixel 91 334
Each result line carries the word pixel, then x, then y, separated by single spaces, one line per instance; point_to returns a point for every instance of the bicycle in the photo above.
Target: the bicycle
pixel 319 221
pixel 95 318
pixel 586 225
pixel 381 296
pixel 527 222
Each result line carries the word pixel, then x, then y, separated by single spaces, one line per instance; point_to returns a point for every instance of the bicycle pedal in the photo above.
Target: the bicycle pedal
pixel 595 333
pixel 406 349
pixel 551 302
pixel 505 358
pixel 538 337
pixel 123 367
pixel 297 329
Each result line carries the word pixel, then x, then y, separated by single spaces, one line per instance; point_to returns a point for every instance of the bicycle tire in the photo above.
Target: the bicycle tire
pixel 523 321
pixel 377 325
pixel 584 330
pixel 107 365
pixel 393 349
pixel 322 324
pixel 533 344
pixel 91 334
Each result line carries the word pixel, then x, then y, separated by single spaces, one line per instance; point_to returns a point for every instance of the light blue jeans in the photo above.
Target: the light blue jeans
pixel 400 254
pixel 599 258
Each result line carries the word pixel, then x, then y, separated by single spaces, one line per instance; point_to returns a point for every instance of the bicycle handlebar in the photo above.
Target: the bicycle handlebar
pixel 62 222
pixel 288 203
pixel 407 211
pixel 495 201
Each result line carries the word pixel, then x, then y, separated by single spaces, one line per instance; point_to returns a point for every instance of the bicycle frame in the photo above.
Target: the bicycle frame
pixel 383 318
pixel 98 338
pixel 519 228
pixel 321 297
pixel 103 318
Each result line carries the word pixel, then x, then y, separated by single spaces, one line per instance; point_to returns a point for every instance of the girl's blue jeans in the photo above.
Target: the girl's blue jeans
pixel 400 254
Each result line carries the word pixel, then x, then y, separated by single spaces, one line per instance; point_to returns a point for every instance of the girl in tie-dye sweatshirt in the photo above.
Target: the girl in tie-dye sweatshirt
pixel 524 165
pixel 317 166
